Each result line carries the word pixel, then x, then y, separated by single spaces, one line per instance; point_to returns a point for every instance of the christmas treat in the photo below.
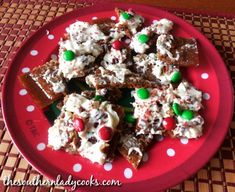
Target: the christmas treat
pixel 177 50
pixel 169 110
pixel 128 24
pixel 79 50
pixel 44 83
pixel 100 64
pixel 90 128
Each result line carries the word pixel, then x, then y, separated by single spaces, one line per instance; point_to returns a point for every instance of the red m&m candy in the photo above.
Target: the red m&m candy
pixel 105 133
pixel 168 123
pixel 78 124
pixel 117 45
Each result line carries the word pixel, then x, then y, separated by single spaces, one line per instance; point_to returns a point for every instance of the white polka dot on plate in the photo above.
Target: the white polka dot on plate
pixel 206 96
pixel 113 18
pixel 25 70
pixel 170 152
pixel 41 146
pixel 33 52
pixel 51 36
pixel 108 166
pixel 145 157
pixel 54 56
pixel 204 75
pixel 94 18
pixel 23 92
pixel 30 108
pixel 77 167
pixel 128 173
pixel 184 141
pixel 127 41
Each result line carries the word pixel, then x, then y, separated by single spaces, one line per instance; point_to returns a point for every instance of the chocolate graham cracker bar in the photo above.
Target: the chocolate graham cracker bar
pixel 90 128
pixel 44 83
pixel 104 24
pixel 173 111
pixel 112 95
pixel 106 78
pixel 132 149
pixel 153 69
pixel 177 50
pixel 79 50
pixel 128 24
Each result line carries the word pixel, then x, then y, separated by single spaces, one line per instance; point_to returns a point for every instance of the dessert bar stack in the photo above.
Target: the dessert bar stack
pixel 111 57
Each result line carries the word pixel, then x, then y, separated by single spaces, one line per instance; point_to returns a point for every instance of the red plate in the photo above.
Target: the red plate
pixel 168 162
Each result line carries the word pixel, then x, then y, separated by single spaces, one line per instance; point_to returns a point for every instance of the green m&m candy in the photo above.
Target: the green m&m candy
pixel 143 38
pixel 99 98
pixel 125 15
pixel 143 93
pixel 187 115
pixel 129 118
pixel 176 108
pixel 176 77
pixel 69 55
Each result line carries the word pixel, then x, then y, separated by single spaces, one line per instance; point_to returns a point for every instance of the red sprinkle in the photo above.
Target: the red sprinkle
pixel 169 123
pixel 117 45
pixel 105 133
pixel 78 124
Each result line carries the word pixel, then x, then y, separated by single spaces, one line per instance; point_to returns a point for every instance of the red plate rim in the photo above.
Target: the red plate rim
pixel 198 159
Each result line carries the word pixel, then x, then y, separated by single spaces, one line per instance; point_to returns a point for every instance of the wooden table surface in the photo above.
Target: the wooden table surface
pixel 218 6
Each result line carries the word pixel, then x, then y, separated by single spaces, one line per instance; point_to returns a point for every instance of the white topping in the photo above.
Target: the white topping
pixel 189 129
pixel 115 57
pixel 151 111
pixel 84 40
pixel 133 24
pixel 159 69
pixel 91 80
pixel 57 138
pixel 114 73
pixel 120 72
pixel 148 113
pixel 82 31
pixel 55 80
pixel 75 68
pixel 136 44
pixel 92 151
pixel 164 45
pixel 101 91
pixel 162 26
pixel 188 96
pixel 113 118
pixel 94 116
pixel 75 101
pixel 116 33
